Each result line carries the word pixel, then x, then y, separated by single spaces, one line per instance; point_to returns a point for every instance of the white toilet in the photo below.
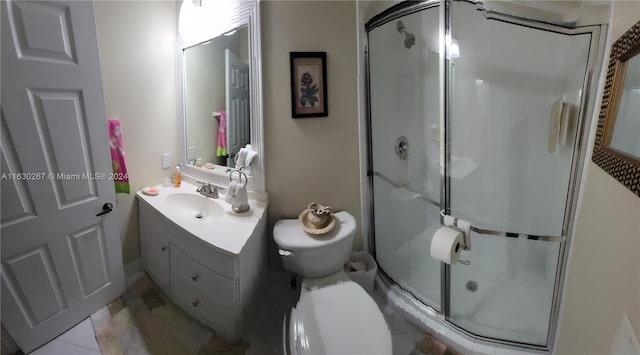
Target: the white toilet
pixel 334 315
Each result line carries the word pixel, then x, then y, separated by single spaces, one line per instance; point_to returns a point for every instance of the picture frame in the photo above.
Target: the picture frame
pixel 308 84
pixel 621 165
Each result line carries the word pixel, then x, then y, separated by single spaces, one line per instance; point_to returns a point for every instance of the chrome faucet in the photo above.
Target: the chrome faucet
pixel 208 190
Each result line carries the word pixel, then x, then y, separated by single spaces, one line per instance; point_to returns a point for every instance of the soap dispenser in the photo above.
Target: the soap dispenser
pixel 177 177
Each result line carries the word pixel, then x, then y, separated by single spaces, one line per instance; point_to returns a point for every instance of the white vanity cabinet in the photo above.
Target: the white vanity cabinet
pixel 218 287
pixel 201 292
pixel 154 248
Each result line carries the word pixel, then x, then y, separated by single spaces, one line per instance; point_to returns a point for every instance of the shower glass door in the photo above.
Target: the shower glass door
pixel 404 155
pixel 516 93
pixel 513 90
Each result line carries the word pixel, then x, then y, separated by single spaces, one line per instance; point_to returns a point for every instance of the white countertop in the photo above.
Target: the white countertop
pixel 229 232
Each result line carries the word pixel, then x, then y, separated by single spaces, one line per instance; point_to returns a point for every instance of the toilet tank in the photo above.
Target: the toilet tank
pixel 311 255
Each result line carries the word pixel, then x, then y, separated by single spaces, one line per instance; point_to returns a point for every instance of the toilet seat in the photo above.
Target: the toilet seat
pixel 338 319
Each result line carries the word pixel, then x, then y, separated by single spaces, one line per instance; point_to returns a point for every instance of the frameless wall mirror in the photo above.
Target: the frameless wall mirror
pixel 617 145
pixel 219 89
pixel 216 93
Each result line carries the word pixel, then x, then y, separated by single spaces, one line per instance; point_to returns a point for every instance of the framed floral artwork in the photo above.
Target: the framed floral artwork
pixel 308 84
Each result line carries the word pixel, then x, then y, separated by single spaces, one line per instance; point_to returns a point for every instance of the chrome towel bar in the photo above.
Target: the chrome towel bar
pixel 544 238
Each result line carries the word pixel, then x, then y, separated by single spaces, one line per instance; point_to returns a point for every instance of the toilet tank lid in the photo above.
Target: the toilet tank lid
pixel 339 319
pixel 288 233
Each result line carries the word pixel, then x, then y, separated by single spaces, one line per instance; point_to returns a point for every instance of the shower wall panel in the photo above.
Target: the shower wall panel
pixel 404 103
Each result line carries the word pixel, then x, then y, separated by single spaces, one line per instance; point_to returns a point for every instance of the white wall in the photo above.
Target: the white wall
pixel 603 282
pixel 136 44
pixel 312 159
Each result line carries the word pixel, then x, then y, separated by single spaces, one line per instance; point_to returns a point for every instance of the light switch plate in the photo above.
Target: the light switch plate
pixel 166 160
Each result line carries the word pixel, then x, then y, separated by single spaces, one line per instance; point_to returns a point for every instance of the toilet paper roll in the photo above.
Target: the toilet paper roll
pixel 446 245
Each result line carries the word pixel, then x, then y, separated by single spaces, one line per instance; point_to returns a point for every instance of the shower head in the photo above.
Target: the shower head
pixel 409 40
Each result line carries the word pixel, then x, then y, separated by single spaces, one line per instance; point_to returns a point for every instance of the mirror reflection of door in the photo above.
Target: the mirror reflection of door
pixel 237 94
pixel 210 98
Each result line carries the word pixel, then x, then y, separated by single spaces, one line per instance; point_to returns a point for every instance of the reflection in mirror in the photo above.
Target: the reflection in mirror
pixel 216 96
pixel 626 131
pixel 217 63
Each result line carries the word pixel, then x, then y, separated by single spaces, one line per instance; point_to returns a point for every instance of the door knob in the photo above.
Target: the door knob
pixel 106 208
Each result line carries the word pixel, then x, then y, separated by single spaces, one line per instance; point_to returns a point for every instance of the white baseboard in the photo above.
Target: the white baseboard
pixel 132 269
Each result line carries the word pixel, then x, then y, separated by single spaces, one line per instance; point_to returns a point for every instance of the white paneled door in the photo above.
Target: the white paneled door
pixel 61 256
pixel 237 101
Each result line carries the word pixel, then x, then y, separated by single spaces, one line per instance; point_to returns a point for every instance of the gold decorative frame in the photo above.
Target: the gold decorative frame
pixel 623 167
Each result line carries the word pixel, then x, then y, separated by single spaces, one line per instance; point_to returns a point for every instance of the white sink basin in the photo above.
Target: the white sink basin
pixel 191 207
pixel 211 220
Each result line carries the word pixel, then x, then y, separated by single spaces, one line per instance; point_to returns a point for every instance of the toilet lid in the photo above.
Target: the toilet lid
pixel 338 319
pixel 289 235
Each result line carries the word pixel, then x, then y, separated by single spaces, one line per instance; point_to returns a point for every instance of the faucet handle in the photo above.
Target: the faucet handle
pixel 204 186
pixel 208 189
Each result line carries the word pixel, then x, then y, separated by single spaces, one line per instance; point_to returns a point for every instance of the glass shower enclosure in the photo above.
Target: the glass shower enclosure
pixel 481 116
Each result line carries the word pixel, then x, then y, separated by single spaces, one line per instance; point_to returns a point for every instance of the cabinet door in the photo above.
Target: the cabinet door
pixel 204 294
pixel 154 247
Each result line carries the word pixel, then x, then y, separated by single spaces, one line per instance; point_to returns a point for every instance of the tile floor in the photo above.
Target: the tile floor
pixel 79 340
pixel 265 336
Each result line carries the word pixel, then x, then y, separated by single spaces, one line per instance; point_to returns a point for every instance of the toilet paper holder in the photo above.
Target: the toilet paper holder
pixel 461 226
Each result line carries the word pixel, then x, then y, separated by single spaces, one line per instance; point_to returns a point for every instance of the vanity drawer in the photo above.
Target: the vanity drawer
pixel 205 294
pixel 220 263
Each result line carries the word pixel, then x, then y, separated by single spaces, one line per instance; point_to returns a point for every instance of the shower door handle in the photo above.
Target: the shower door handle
pixel 544 238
